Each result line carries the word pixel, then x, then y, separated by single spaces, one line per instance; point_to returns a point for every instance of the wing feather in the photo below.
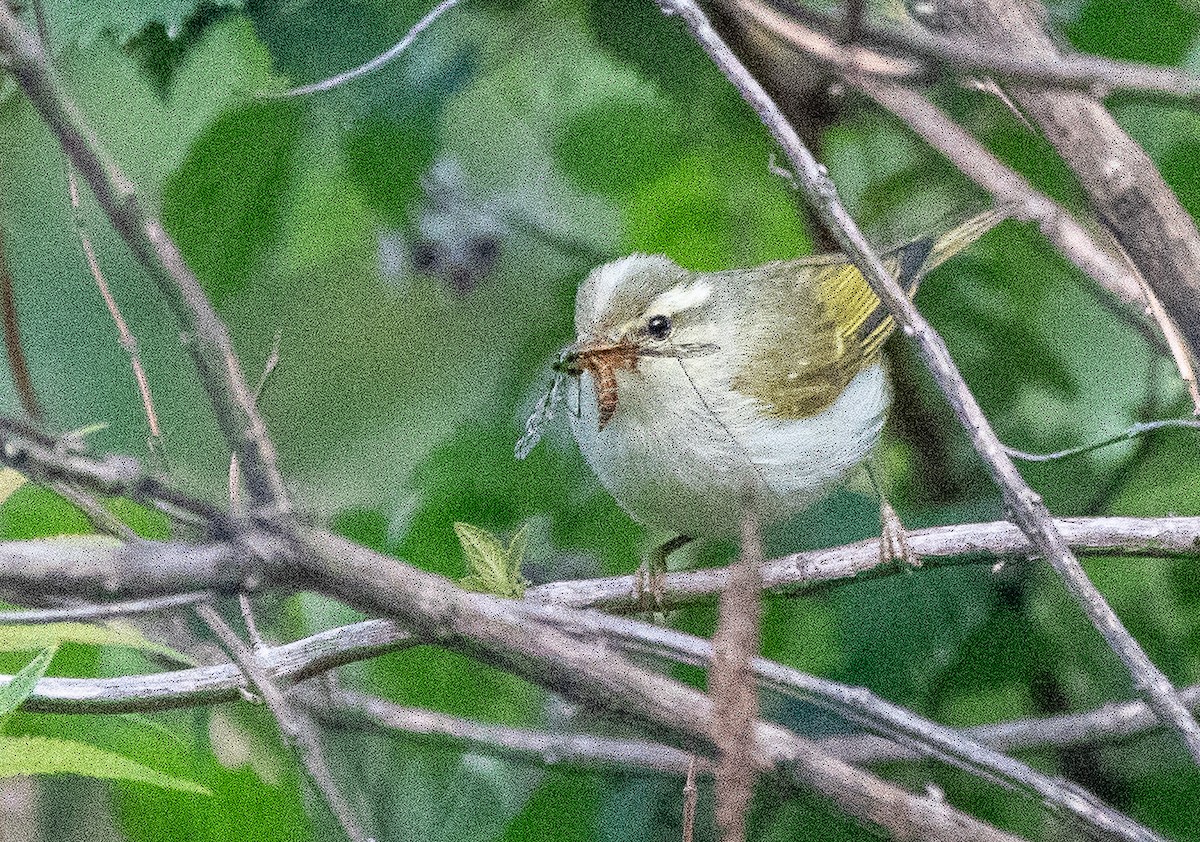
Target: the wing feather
pixel 840 325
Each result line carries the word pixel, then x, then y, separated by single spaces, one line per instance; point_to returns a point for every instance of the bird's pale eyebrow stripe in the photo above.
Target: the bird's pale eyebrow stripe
pixel 682 297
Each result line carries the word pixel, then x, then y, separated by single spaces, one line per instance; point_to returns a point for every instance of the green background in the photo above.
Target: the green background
pixel 580 131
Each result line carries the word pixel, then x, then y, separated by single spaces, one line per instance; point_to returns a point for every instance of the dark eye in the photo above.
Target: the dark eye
pixel 659 327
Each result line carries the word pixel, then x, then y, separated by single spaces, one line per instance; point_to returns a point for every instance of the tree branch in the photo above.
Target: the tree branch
pixel 302 659
pixel 910 53
pixel 1122 182
pixel 206 337
pixel 341 707
pixel 1027 509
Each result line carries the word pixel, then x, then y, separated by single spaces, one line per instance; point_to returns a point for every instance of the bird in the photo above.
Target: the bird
pixel 699 396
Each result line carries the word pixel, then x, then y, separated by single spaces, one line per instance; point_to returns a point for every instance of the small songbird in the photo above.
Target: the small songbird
pixel 703 394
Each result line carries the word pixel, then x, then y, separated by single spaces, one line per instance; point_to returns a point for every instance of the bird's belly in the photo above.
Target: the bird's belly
pixel 692 466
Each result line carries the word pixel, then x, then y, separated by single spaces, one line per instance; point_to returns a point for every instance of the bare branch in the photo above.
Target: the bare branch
pixel 997 542
pixel 342 706
pixel 48 460
pixel 1125 188
pixel 100 570
pixel 374 64
pixel 295 731
pixel 1115 721
pixel 861 707
pixel 18 365
pixel 311 656
pixel 106 611
pixel 124 335
pixel 732 687
pixel 206 336
pixel 910 53
pixel 1027 508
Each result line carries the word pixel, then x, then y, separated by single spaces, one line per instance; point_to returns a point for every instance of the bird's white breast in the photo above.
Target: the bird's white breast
pixel 687 453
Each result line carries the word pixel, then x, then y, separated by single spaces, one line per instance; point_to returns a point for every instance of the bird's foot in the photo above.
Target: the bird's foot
pixel 893 538
pixel 651 579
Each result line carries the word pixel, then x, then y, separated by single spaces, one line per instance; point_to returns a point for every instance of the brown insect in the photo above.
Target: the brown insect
pixel 603 362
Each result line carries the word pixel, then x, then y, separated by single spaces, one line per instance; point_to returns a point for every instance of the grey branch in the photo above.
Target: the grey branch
pixel 311 656
pixel 345 707
pixel 1116 721
pixel 940 546
pixel 1027 509
pixel 302 659
pixel 206 336
pixel 103 570
pixel 909 53
pixel 863 708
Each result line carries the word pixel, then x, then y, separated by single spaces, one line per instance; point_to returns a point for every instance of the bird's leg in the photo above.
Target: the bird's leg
pixel 650 576
pixel 893 540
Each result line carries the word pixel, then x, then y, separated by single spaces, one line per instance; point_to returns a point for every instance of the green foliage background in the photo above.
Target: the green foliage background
pixel 585 129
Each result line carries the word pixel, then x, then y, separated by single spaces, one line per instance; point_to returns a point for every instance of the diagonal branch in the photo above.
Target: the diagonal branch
pixel 1124 186
pixel 295 731
pixel 205 334
pixel 1024 505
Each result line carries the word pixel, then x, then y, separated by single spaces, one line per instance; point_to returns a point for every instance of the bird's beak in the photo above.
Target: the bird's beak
pixel 585 353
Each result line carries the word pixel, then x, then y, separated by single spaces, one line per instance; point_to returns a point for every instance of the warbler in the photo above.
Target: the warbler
pixel 700 395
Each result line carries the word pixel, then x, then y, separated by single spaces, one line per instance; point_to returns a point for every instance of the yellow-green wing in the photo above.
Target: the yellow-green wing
pixel 799 365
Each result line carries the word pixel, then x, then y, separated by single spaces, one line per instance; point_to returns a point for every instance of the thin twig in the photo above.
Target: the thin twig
pixel 342 706
pixel 1112 722
pixel 206 336
pixel 689 801
pixel 18 364
pixel 374 64
pixel 105 611
pixel 126 338
pixel 733 689
pixel 1027 509
pixel 299 735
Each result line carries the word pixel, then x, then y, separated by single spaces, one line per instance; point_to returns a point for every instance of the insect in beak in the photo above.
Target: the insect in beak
pixel 601 360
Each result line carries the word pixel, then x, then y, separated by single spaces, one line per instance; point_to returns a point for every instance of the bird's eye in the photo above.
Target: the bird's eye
pixel 659 327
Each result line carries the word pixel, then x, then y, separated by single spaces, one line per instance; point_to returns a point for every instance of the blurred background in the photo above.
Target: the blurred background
pixel 415 240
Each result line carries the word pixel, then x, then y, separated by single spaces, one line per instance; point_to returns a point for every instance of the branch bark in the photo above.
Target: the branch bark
pixel 1122 182
pixel 1026 507
pixel 205 335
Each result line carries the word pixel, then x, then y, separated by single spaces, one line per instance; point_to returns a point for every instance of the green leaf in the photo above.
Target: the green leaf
pixel 21 685
pixel 10 480
pixel 73 21
pixel 495 569
pixel 224 204
pixel 49 756
pixel 113 633
pixel 617 147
